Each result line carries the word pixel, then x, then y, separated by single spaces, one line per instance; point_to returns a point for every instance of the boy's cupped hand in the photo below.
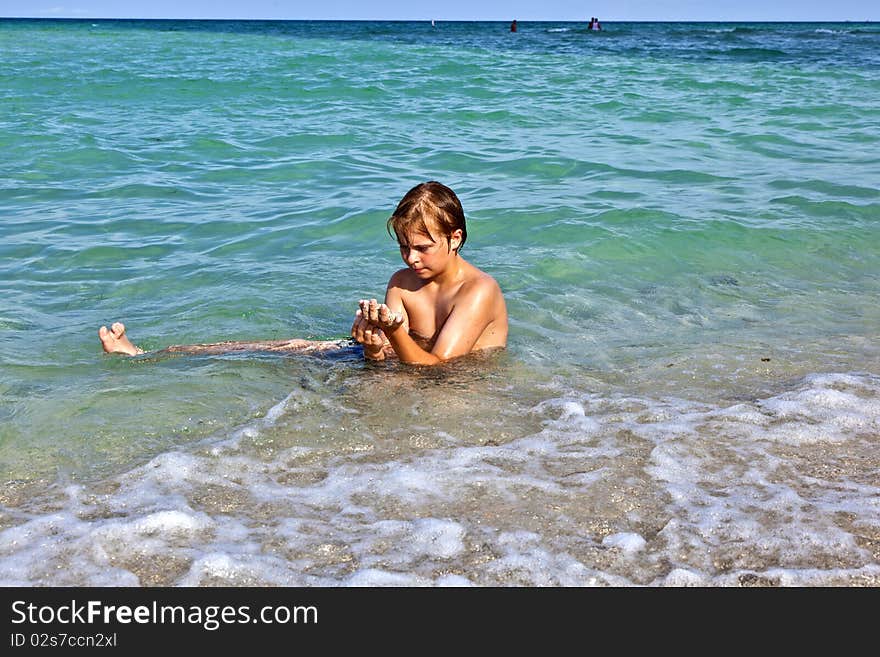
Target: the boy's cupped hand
pixel 379 315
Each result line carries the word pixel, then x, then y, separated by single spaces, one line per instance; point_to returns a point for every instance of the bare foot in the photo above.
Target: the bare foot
pixel 115 341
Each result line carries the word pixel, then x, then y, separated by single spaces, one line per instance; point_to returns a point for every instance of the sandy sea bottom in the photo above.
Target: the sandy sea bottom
pixel 562 487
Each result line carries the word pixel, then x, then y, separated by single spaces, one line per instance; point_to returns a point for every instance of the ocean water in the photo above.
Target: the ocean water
pixel 685 221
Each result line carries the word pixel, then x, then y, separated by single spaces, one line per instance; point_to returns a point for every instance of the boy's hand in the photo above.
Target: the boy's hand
pixel 380 315
pixel 370 336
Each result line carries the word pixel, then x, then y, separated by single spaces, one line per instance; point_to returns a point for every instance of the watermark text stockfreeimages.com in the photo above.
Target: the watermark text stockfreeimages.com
pixel 210 617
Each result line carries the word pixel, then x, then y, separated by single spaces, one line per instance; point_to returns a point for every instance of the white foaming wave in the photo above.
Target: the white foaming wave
pixel 526 560
pixel 148 513
pixel 173 523
pixel 716 499
pixel 453 581
pixel 376 577
pixel 730 501
pixel 442 539
pixel 819 411
pixel 684 577
pixel 628 542
pixel 99 551
pixel 225 568
pixel 796 577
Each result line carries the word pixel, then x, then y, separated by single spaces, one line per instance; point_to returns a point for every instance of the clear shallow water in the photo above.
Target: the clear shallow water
pixel 684 219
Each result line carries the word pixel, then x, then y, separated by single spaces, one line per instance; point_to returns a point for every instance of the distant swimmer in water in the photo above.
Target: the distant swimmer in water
pixel 594 24
pixel 437 308
pixel 513 26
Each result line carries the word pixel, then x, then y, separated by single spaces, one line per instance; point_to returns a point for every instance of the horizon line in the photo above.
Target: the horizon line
pixel 426 20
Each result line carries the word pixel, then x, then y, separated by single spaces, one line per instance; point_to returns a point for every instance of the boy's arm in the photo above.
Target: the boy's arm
pixel 410 352
pixel 471 314
pixel 460 332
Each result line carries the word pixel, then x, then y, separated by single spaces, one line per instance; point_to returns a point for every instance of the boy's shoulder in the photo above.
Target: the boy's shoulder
pixel 403 278
pixel 476 280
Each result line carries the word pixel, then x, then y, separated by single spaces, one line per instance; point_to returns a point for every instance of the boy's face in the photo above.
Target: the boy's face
pixel 428 254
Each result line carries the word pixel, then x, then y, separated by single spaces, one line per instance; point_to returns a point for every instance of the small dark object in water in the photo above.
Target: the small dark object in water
pixel 724 279
pixel 765 359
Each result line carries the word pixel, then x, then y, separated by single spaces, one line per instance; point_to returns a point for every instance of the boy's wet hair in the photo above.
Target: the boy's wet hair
pixel 428 206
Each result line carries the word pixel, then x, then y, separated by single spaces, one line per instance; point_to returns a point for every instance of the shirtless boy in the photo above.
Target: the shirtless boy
pixel 438 308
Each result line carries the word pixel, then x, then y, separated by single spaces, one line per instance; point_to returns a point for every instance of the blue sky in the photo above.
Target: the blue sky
pixel 561 10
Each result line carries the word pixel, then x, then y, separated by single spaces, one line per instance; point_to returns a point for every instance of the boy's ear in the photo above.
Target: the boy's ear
pixel 455 239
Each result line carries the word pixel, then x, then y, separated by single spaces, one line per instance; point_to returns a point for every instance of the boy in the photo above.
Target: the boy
pixel 438 308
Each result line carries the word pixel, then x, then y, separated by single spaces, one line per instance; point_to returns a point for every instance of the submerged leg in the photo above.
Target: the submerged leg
pixel 278 346
pixel 114 341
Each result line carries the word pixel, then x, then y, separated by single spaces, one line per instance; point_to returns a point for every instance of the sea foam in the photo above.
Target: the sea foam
pixel 611 490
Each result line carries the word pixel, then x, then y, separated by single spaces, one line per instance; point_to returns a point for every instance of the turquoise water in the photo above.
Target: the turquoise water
pixel 683 219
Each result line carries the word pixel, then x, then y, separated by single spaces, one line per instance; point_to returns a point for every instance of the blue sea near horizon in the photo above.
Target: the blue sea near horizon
pixel 683 218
